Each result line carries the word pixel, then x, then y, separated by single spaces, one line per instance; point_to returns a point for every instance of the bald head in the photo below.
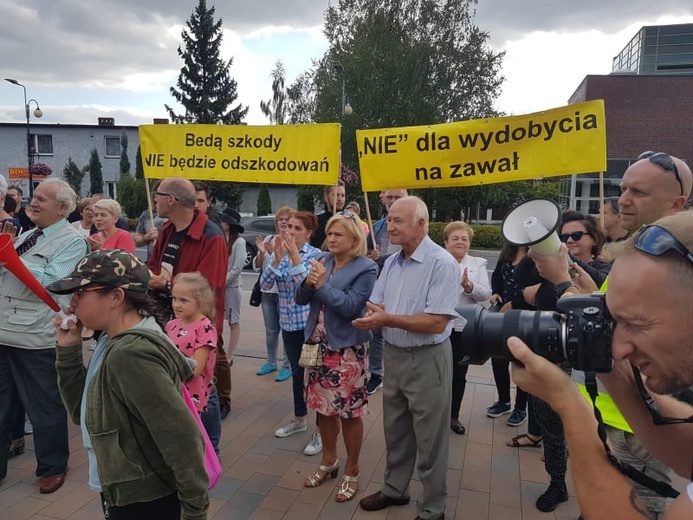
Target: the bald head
pixel 182 189
pixel 650 190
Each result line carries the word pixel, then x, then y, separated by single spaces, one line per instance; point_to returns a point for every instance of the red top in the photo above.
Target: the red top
pixel 203 249
pixel 121 239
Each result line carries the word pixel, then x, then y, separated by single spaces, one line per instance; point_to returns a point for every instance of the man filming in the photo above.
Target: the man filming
pixel 651 316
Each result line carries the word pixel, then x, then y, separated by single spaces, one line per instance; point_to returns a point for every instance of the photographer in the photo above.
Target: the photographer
pixel 652 333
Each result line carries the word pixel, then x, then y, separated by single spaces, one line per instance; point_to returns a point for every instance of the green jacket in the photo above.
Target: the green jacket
pixel 146 442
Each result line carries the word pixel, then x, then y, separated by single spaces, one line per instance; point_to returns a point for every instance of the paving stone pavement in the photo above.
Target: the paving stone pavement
pixel 263 475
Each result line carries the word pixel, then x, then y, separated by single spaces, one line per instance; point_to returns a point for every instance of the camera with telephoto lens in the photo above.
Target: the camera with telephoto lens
pixel 579 333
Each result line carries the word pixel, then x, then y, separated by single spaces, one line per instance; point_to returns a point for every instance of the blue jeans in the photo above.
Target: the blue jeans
pixel 211 419
pixel 270 315
pixel 293 342
pixel 30 376
pixel 375 353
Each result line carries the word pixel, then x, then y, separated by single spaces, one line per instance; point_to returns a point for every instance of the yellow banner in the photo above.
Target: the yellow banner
pixel 561 141
pixel 279 154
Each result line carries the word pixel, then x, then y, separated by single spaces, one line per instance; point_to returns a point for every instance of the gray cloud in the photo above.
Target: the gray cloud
pixel 510 19
pixel 101 43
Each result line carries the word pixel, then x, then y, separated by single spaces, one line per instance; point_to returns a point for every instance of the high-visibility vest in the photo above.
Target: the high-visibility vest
pixel 610 413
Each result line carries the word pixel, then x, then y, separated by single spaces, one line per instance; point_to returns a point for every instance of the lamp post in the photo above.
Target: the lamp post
pixel 346 107
pixel 29 148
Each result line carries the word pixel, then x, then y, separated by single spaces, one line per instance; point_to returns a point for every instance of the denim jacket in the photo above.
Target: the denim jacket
pixel 344 296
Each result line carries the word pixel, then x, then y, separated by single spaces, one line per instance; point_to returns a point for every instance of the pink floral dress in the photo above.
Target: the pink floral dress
pixel 338 387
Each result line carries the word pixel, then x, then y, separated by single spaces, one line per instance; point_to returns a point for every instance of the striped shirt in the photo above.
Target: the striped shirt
pixel 292 317
pixel 63 263
pixel 426 282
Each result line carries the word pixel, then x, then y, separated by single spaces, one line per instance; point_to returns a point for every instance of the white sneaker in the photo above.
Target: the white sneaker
pixel 290 428
pixel 314 446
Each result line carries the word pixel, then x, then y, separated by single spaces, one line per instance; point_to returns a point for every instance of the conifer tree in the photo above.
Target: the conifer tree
pixel 205 88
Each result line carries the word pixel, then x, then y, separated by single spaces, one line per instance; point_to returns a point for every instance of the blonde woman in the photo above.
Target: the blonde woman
pixel 108 236
pixel 337 289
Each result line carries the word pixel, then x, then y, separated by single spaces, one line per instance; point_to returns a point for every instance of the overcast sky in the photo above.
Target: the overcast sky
pixel 118 58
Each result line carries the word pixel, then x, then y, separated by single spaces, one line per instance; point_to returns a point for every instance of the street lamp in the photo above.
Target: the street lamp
pixel 29 148
pixel 347 110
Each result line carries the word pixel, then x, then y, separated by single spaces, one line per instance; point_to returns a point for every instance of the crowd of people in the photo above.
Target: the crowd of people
pixel 357 310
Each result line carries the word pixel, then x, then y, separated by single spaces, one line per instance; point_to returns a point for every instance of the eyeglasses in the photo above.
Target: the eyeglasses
pixel 575 235
pixel 161 194
pixel 664 161
pixel 657 418
pixel 657 241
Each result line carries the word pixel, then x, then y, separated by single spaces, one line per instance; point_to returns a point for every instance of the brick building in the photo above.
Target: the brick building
pixel 649 106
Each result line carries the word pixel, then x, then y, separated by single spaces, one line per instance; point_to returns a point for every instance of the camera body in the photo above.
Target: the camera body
pixel 579 333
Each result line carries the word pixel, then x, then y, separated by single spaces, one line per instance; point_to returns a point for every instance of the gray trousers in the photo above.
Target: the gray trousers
pixel 416 418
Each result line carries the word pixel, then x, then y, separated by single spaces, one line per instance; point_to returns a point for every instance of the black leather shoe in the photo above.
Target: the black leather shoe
pixel 441 517
pixel 378 501
pixel 458 428
pixel 224 411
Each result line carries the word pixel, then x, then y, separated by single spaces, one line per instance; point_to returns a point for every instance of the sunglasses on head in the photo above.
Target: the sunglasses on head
pixel 656 241
pixel 348 214
pixel 575 235
pixel 664 161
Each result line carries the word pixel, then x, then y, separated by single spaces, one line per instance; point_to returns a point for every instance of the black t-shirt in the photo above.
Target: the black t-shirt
pixel 170 256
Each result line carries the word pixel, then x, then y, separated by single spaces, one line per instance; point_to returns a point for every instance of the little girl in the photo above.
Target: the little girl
pixel 194 335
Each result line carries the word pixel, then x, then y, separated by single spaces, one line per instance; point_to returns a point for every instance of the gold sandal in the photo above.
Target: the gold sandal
pixel 346 491
pixel 327 471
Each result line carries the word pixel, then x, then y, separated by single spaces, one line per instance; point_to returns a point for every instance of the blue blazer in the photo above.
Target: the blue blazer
pixel 344 297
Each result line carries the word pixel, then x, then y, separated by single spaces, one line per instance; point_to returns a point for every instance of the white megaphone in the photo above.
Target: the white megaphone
pixel 533 224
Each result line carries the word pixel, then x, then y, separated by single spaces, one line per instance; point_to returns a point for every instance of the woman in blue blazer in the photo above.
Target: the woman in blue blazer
pixel 337 287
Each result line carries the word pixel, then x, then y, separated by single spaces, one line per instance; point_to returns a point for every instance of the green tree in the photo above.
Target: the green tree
pixel 132 195
pixel 139 168
pixel 264 202
pixel 404 63
pixel 95 173
pixel 205 87
pixel 277 108
pixel 305 198
pixel 73 176
pixel 124 159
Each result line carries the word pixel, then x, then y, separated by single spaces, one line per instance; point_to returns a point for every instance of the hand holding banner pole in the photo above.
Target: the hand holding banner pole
pixel 370 220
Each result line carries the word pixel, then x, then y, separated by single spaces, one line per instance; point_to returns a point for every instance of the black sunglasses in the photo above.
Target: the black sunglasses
pixel 656 241
pixel 657 418
pixel 664 161
pixel 575 235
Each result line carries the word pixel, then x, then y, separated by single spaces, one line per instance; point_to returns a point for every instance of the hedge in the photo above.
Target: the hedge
pixel 485 236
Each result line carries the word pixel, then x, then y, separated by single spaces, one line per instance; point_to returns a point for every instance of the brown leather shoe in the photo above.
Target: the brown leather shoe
pixel 52 483
pixel 378 501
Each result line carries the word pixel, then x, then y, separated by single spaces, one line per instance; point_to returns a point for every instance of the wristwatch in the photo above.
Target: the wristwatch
pixel 562 287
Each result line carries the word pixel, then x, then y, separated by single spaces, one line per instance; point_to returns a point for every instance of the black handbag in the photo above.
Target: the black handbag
pixel 256 293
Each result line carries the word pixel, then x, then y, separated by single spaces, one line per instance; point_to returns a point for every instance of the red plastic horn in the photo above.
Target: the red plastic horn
pixel 10 261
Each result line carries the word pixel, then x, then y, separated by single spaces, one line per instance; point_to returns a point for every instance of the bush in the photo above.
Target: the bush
pixel 485 236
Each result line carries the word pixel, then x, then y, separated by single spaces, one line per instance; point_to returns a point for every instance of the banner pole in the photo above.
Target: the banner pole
pixel 149 201
pixel 370 220
pixel 601 198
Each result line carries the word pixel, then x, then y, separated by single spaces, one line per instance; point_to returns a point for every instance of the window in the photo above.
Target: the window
pixel 112 146
pixel 42 144
pixel 111 189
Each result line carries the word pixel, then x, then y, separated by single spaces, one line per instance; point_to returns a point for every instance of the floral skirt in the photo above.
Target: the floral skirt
pixel 338 387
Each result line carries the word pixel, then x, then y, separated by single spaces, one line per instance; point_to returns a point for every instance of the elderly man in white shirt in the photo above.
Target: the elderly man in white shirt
pixel 413 304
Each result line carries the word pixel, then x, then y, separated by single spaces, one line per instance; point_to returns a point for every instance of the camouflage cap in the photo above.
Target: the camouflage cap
pixel 107 268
